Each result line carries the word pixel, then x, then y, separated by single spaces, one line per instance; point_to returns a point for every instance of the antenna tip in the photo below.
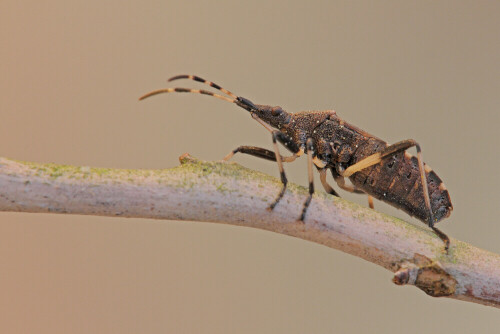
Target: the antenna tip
pixel 181 76
pixel 148 95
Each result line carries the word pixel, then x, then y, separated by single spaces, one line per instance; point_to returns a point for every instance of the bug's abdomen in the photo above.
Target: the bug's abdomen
pixel 396 181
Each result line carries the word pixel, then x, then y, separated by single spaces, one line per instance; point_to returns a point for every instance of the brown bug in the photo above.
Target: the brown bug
pixel 374 167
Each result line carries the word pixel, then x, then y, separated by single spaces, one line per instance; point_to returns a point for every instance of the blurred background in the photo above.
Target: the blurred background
pixel 70 76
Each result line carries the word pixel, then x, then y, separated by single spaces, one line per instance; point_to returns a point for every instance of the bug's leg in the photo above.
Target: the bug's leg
pixel 377 157
pixel 443 237
pixel 394 149
pixel 370 202
pixel 341 183
pixel 252 150
pixel 284 180
pixel 259 153
pixel 328 188
pixel 278 136
pixel 423 178
pixel 268 155
pixel 309 146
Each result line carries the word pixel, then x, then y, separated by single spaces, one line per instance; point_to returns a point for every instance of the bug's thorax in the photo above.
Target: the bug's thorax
pixel 303 125
pixel 332 137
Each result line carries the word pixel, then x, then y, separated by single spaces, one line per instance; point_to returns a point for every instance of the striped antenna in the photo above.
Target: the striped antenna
pixel 187 90
pixel 210 83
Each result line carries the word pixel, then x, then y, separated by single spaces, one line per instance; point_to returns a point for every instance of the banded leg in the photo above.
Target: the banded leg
pixel 259 153
pixel 309 146
pixel 268 155
pixel 282 171
pixel 281 137
pixel 341 183
pixel 390 151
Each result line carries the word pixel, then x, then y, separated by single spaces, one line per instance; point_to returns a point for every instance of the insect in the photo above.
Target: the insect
pixel 385 172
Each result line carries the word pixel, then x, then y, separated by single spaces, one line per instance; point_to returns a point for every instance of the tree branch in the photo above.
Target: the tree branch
pixel 228 193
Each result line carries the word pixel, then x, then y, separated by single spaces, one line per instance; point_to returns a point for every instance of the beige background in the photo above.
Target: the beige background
pixel 70 76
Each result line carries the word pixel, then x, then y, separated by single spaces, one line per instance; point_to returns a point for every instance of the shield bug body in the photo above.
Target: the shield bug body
pixel 386 172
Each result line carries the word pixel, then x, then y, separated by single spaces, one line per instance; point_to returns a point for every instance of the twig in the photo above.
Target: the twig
pixel 231 194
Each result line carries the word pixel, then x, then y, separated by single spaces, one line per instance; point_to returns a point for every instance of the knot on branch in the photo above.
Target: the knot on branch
pixel 186 158
pixel 429 276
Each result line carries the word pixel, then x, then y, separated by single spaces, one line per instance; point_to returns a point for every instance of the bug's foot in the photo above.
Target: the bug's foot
pixel 303 215
pixel 229 156
pixel 444 238
pixel 278 198
pixel 446 246
pixel 370 202
pixel 272 206
pixel 306 205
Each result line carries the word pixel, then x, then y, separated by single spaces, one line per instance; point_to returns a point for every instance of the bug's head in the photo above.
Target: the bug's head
pixel 274 116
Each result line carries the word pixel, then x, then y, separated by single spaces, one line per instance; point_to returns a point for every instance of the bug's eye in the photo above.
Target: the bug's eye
pixel 276 111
